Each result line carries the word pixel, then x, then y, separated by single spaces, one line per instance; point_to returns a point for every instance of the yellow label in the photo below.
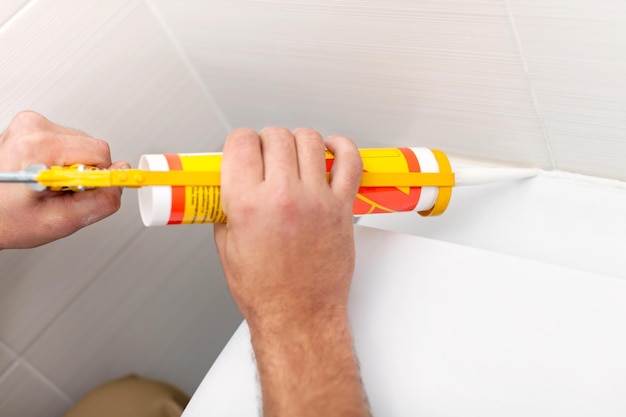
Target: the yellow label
pixel 382 160
pixel 202 204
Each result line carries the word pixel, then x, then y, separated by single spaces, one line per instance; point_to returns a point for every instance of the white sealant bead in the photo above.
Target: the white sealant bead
pixel 428 163
pixel 155 203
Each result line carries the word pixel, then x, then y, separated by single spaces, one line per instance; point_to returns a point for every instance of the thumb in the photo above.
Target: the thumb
pixel 345 175
pixel 91 206
pixel 120 165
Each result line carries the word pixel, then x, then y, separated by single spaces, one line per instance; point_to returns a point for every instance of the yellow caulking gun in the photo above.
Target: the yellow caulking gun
pixel 393 179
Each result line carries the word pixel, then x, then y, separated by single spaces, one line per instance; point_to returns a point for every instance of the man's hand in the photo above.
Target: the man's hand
pixel 288 256
pixel 29 218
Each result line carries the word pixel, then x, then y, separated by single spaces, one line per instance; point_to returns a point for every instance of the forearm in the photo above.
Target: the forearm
pixel 288 256
pixel 308 367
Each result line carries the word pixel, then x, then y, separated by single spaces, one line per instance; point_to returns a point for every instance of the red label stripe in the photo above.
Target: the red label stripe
pixel 178 192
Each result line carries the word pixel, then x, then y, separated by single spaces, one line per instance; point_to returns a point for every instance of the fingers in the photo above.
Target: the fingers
pixel 91 206
pixel 69 150
pixel 61 150
pixel 34 139
pixel 345 174
pixel 29 119
pixel 310 154
pixel 120 165
pixel 94 205
pixel 242 163
pixel 77 210
pixel 68 212
pixel 283 155
pixel 279 154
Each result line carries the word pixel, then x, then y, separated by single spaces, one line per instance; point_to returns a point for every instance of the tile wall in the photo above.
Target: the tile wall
pixel 115 298
pixel 529 81
pixel 521 81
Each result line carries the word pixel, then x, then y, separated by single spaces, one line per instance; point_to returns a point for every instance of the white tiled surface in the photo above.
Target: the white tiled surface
pixel 576 59
pixel 434 73
pixel 6 358
pixel 143 304
pixel 110 69
pixel 514 80
pixel 9 8
pixel 138 95
pixel 117 76
pixel 36 285
pixel 511 80
pixel 23 394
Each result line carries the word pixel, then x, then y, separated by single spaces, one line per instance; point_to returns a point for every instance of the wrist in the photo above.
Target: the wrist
pixel 307 365
pixel 297 320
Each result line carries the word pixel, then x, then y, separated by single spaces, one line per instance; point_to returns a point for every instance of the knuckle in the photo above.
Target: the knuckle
pixel 28 118
pixel 285 201
pixel 305 131
pixel 29 142
pixel 275 131
pixel 244 207
pixel 27 134
pixel 102 147
pixel 242 132
pixel 240 136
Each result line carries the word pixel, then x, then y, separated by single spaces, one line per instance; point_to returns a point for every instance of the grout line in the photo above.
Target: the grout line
pixel 8 348
pixel 8 371
pixel 533 95
pixel 22 10
pixel 19 360
pixel 187 62
pixel 45 379
pixel 79 294
pixel 12 364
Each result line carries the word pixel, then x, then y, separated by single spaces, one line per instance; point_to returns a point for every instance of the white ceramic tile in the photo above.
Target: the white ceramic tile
pixel 576 60
pixel 36 285
pixel 24 394
pixel 9 8
pixel 161 309
pixel 195 317
pixel 121 79
pixel 594 154
pixel 6 357
pixel 109 69
pixel 564 219
pixel 435 73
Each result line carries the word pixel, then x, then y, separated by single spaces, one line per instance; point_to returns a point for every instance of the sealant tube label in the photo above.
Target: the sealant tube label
pixel 371 200
pixel 202 204
pixel 191 205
